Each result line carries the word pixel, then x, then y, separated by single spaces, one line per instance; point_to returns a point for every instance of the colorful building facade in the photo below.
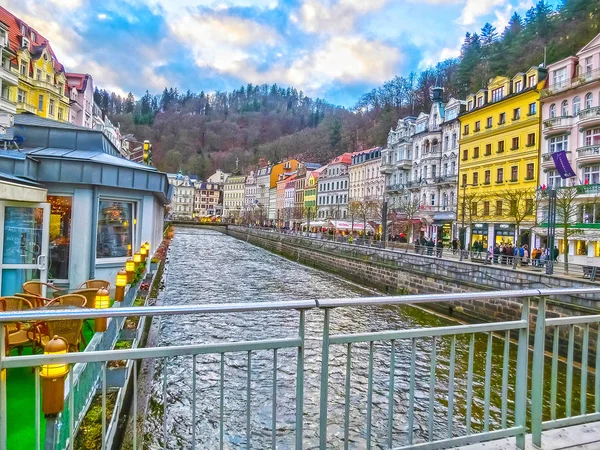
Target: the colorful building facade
pixel 499 160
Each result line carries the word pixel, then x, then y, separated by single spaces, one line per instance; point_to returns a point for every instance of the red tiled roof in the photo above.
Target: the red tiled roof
pixel 346 158
pixel 78 80
pixel 14 37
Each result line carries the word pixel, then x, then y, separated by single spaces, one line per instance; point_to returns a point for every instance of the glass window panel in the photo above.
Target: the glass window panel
pixel 22 235
pixel 115 229
pixel 60 236
pixel 13 279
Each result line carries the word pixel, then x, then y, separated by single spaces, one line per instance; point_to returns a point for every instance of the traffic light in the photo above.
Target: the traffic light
pixel 147 152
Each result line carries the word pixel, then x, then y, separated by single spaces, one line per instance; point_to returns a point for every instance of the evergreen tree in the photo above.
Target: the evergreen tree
pixel 129 104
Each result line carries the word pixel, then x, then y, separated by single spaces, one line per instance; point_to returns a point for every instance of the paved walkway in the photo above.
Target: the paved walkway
pixel 579 437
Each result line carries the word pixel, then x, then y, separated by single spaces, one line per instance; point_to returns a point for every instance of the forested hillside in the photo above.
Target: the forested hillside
pixel 198 133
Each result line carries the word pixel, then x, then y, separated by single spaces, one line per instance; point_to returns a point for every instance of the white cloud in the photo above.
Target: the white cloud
pixel 102 16
pixel 474 9
pixel 316 16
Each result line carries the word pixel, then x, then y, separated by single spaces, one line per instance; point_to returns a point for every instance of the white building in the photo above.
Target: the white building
pixel 182 199
pixel 332 195
pixel 218 177
pixel 396 160
pixel 434 169
pixel 250 200
pixel 263 185
pixel 233 196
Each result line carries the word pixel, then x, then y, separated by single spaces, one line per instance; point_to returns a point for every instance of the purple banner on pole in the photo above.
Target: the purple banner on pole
pixel 562 164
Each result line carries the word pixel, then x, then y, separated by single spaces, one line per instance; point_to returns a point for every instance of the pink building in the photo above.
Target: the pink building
pixel 571 123
pixel 81 94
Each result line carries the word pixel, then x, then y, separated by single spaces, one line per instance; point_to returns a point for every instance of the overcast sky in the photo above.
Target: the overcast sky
pixel 334 49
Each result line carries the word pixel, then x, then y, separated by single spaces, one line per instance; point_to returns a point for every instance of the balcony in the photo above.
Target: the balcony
pixel 7 106
pixel 557 125
pixel 47 86
pixel 588 154
pixel 548 161
pixel 8 76
pixel 574 82
pixel 26 107
pixel 387 169
pixel 590 116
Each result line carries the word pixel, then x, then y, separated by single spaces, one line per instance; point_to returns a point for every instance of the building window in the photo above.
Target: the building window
pixel 48 79
pixel 502 119
pixel 475 178
pixel 500 147
pixel 588 65
pixel 576 106
pixel 470 105
pixel 486 208
pixel 21 96
pixel 476 152
pixel 559 76
pixel 552 110
pixel 554 179
pixel 531 81
pixel 115 229
pixel 558 144
pixel 480 101
pixel 592 137
pixel 41 103
pixel 518 86
pixel 465 155
pixel 530 139
pixel 488 123
pixel 478 126
pixel 454 140
pixel 38 75
pixel 514 173
pixel 564 108
pixel 528 206
pixel 498 94
pixel 464 179
pixel 591 174
pixel 589 100
pixel 466 130
pixel 515 143
pixel 51 107
pixel 60 236
pixel 473 208
pixel 500 175
pixel 488 149
pixel 498 207
pixel 23 68
pixel 532 109
pixel 516 113
pixel 530 170
pixel 486 177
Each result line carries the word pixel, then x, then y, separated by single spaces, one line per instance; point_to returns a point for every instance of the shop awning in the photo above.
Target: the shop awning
pixel 315 224
pixel 345 226
pixel 578 234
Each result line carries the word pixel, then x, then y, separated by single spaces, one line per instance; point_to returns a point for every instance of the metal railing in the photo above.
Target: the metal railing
pixel 441 415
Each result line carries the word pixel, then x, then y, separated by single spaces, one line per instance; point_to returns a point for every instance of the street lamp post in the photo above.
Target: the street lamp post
pixel 462 227
pixel 551 230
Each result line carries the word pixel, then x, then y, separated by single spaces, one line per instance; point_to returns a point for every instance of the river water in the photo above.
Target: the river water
pixel 208 267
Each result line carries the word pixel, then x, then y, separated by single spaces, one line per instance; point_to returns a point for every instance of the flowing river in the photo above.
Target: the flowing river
pixel 209 267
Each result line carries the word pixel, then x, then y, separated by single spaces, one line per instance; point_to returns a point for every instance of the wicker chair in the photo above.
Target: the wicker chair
pixel 35 300
pixel 90 295
pixel 69 330
pixel 35 288
pixel 96 284
pixel 69 300
pixel 15 334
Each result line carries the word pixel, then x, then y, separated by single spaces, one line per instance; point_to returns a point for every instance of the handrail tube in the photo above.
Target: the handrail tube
pixel 11 362
pixel 221 308
pixel 575 320
pixel 427 332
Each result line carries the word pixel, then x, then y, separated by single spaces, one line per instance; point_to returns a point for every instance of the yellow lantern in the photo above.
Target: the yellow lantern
pixel 130 269
pixel 120 284
pixel 102 302
pixel 137 259
pixel 53 378
pixel 143 252
pixel 147 245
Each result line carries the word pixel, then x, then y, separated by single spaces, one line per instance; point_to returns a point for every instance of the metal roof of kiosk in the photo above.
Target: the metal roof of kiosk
pixel 56 152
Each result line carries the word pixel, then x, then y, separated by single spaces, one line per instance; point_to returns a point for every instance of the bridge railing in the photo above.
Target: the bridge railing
pixel 425 396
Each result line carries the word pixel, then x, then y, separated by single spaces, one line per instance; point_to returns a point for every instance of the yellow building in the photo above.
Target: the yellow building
pixel 42 81
pixel 499 157
pixel 310 193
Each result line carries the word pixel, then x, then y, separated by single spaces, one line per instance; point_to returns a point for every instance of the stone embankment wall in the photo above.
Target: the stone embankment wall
pixel 398 272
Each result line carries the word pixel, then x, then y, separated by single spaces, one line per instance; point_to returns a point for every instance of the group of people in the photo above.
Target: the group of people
pixel 508 253
pixel 426 246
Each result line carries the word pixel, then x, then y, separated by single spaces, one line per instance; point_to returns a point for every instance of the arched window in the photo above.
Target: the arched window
pixel 576 105
pixel 552 110
pixel 589 100
pixel 564 108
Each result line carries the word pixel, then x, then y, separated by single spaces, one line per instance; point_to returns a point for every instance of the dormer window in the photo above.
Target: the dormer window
pixel 23 29
pixel 518 86
pixel 531 81
pixel 498 94
pixel 25 43
pixel 470 105
pixel 33 37
pixel 3 38
pixel 480 101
